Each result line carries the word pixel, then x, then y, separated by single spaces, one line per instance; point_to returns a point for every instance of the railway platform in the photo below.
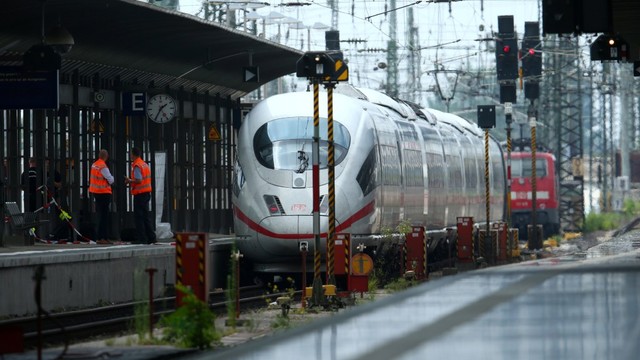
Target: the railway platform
pixel 73 271
pixel 579 306
pixel 583 306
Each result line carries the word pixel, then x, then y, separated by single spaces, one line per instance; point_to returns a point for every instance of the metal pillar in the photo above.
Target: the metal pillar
pixel 414 86
pixel 332 188
pixel 316 294
pixel 487 186
pixel 534 236
pixel 508 120
pixel 569 151
pixel 392 53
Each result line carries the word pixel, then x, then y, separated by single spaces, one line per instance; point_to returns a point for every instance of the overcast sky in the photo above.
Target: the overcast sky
pixel 458 23
pixel 437 22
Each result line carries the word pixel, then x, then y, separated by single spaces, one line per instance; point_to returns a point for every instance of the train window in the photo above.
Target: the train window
pixel 522 167
pixel 413 168
pixel 498 173
pixel 455 171
pixel 435 166
pixel 390 162
pixel 408 132
pixel 367 175
pixel 280 144
pixel 238 178
pixel 470 173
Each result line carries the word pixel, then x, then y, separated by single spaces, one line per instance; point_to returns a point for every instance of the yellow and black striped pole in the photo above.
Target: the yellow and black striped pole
pixel 507 110
pixel 316 294
pixel 179 273
pixel 535 236
pixel 347 255
pixel 425 263
pixel 201 260
pixel 487 189
pixel 332 189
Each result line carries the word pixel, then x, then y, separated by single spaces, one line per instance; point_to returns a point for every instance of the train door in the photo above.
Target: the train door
pixel 470 175
pixel 412 174
pixel 498 181
pixel 437 178
pixel 455 193
pixel 390 172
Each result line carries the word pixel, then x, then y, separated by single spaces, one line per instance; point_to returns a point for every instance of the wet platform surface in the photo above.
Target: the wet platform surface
pixel 585 306
pixel 38 247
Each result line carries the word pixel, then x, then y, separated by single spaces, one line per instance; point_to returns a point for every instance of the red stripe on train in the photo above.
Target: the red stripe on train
pixel 366 210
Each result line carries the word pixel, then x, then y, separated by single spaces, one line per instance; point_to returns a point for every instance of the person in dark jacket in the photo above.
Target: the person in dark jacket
pixel 29 184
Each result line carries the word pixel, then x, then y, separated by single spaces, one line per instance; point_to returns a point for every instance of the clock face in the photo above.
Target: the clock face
pixel 161 108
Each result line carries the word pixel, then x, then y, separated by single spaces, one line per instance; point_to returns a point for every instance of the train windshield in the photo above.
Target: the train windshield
pixel 285 144
pixel 522 167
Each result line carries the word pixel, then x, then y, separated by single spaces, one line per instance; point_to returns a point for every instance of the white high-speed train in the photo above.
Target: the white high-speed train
pixel 394 162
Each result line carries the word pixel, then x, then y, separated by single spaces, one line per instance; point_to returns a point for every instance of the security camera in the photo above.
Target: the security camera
pixel 304 245
pixel 60 40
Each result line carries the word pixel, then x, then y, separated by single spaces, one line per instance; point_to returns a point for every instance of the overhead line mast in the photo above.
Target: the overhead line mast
pixel 333 4
pixel 392 53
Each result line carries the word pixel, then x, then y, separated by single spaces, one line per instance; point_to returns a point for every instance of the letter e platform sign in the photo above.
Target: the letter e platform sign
pixel 133 103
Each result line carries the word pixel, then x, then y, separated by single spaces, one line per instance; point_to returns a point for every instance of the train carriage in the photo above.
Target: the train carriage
pixel 394 162
pixel 547 193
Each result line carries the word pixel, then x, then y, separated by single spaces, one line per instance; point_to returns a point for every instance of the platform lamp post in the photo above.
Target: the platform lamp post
pixel 486 120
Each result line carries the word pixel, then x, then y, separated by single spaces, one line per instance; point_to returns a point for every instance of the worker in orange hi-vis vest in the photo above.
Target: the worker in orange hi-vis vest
pixel 140 182
pixel 100 182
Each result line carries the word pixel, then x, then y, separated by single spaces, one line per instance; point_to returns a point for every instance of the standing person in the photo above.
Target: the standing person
pixel 29 184
pixel 140 182
pixel 59 228
pixel 54 180
pixel 100 187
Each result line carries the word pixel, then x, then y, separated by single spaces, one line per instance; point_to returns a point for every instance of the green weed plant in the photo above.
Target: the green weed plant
pixel 192 325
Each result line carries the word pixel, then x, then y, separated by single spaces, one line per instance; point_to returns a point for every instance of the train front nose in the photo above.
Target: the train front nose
pixel 290 230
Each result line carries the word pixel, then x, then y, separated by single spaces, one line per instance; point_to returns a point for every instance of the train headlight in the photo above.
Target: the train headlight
pixel 273 204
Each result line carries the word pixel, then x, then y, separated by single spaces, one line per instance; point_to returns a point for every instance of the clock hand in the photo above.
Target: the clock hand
pixel 159 111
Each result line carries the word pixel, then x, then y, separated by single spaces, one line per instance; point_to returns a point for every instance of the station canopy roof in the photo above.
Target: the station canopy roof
pixel 133 39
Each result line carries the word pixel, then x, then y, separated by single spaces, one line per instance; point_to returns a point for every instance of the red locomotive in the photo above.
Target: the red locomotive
pixel 547 189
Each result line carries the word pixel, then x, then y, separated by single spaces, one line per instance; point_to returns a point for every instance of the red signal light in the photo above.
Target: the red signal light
pixel 532 52
pixel 506 49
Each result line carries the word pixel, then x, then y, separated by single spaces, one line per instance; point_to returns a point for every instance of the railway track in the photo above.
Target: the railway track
pixel 58 328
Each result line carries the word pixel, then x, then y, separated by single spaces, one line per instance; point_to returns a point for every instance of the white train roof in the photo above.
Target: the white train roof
pixel 407 110
pixel 456 121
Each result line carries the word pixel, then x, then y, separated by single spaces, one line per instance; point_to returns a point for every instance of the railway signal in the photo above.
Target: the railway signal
pixel 506 49
pixel 531 60
pixel 315 65
pixel 609 48
pixel 327 68
pixel 531 53
pixel 486 120
pixel 323 66
pixel 506 59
